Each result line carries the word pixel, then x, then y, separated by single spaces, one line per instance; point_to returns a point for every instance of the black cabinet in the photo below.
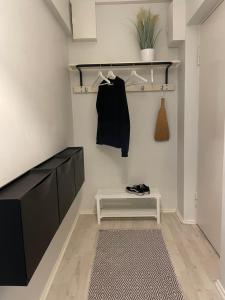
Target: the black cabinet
pixel 64 169
pixel 31 210
pixel 77 155
pixel 28 221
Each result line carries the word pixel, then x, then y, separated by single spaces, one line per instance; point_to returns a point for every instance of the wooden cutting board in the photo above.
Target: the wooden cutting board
pixel 162 132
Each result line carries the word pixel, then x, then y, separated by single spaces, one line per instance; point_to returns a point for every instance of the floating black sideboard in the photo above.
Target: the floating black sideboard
pixel 31 210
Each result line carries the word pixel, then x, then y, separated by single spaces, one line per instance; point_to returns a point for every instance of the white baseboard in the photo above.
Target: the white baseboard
pixel 220 289
pixel 58 262
pixel 184 221
pixel 93 211
pixel 179 216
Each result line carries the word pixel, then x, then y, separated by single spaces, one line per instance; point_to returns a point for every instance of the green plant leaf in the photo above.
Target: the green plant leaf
pixel 146 28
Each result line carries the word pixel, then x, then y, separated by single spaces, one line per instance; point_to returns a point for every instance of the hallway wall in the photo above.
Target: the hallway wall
pixel 36 119
pixel 148 161
pixel 211 126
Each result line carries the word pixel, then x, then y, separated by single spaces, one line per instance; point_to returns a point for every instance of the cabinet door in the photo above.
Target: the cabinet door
pixel 79 169
pixel 77 155
pixel 12 260
pixel 40 218
pixel 66 186
pixel 81 12
pixel 176 23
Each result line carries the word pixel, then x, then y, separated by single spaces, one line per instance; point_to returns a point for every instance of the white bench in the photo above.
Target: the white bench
pixel 105 195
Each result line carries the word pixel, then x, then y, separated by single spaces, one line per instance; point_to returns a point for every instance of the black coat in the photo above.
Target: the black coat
pixel 113 116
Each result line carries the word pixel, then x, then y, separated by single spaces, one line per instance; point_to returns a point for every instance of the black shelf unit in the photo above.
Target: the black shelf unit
pixel 28 221
pixel 31 210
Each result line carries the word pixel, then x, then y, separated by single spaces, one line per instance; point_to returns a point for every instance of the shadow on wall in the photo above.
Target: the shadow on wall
pixel 122 162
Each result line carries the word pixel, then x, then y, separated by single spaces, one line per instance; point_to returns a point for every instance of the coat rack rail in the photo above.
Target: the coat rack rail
pixel 134 88
pixel 120 65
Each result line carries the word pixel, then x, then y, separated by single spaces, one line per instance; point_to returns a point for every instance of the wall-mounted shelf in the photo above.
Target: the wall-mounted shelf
pixel 121 65
pixel 135 88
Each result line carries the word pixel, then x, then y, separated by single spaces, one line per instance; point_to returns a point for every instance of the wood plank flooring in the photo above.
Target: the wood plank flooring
pixel 195 261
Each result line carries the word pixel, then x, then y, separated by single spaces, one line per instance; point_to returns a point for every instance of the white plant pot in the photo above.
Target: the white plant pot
pixel 147 54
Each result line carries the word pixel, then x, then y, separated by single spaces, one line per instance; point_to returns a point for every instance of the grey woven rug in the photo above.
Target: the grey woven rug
pixel 133 265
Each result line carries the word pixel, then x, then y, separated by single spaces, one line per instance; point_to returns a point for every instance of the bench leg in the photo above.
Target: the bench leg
pixel 98 210
pixel 158 210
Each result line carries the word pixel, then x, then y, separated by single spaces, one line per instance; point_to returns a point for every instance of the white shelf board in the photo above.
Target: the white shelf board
pixel 86 89
pixel 175 64
pixel 122 194
pixel 107 213
pixel 113 203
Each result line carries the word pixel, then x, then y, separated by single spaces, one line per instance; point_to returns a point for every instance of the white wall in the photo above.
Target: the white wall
pixel 36 118
pixel 149 162
pixel 211 126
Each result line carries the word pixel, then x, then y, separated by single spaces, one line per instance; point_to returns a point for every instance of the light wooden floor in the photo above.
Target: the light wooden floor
pixel 195 262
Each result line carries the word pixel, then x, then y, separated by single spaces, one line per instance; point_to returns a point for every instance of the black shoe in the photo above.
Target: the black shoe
pixel 135 189
pixel 138 189
pixel 145 188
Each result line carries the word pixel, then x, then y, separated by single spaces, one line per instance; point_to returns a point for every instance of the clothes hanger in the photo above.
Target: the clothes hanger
pixel 152 76
pixel 111 75
pixel 134 74
pixel 101 78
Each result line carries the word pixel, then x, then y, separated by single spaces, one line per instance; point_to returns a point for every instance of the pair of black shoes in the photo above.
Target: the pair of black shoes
pixel 138 189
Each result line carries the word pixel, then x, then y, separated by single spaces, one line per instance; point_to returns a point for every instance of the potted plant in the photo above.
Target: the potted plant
pixel 146 26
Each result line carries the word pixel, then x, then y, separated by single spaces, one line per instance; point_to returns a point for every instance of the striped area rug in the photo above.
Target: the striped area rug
pixel 133 265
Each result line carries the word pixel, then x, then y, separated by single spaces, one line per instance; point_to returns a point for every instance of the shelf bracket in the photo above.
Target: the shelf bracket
pixel 167 73
pixel 81 76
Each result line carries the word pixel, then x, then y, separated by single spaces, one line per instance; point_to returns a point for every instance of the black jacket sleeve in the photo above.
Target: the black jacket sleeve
pixel 124 122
